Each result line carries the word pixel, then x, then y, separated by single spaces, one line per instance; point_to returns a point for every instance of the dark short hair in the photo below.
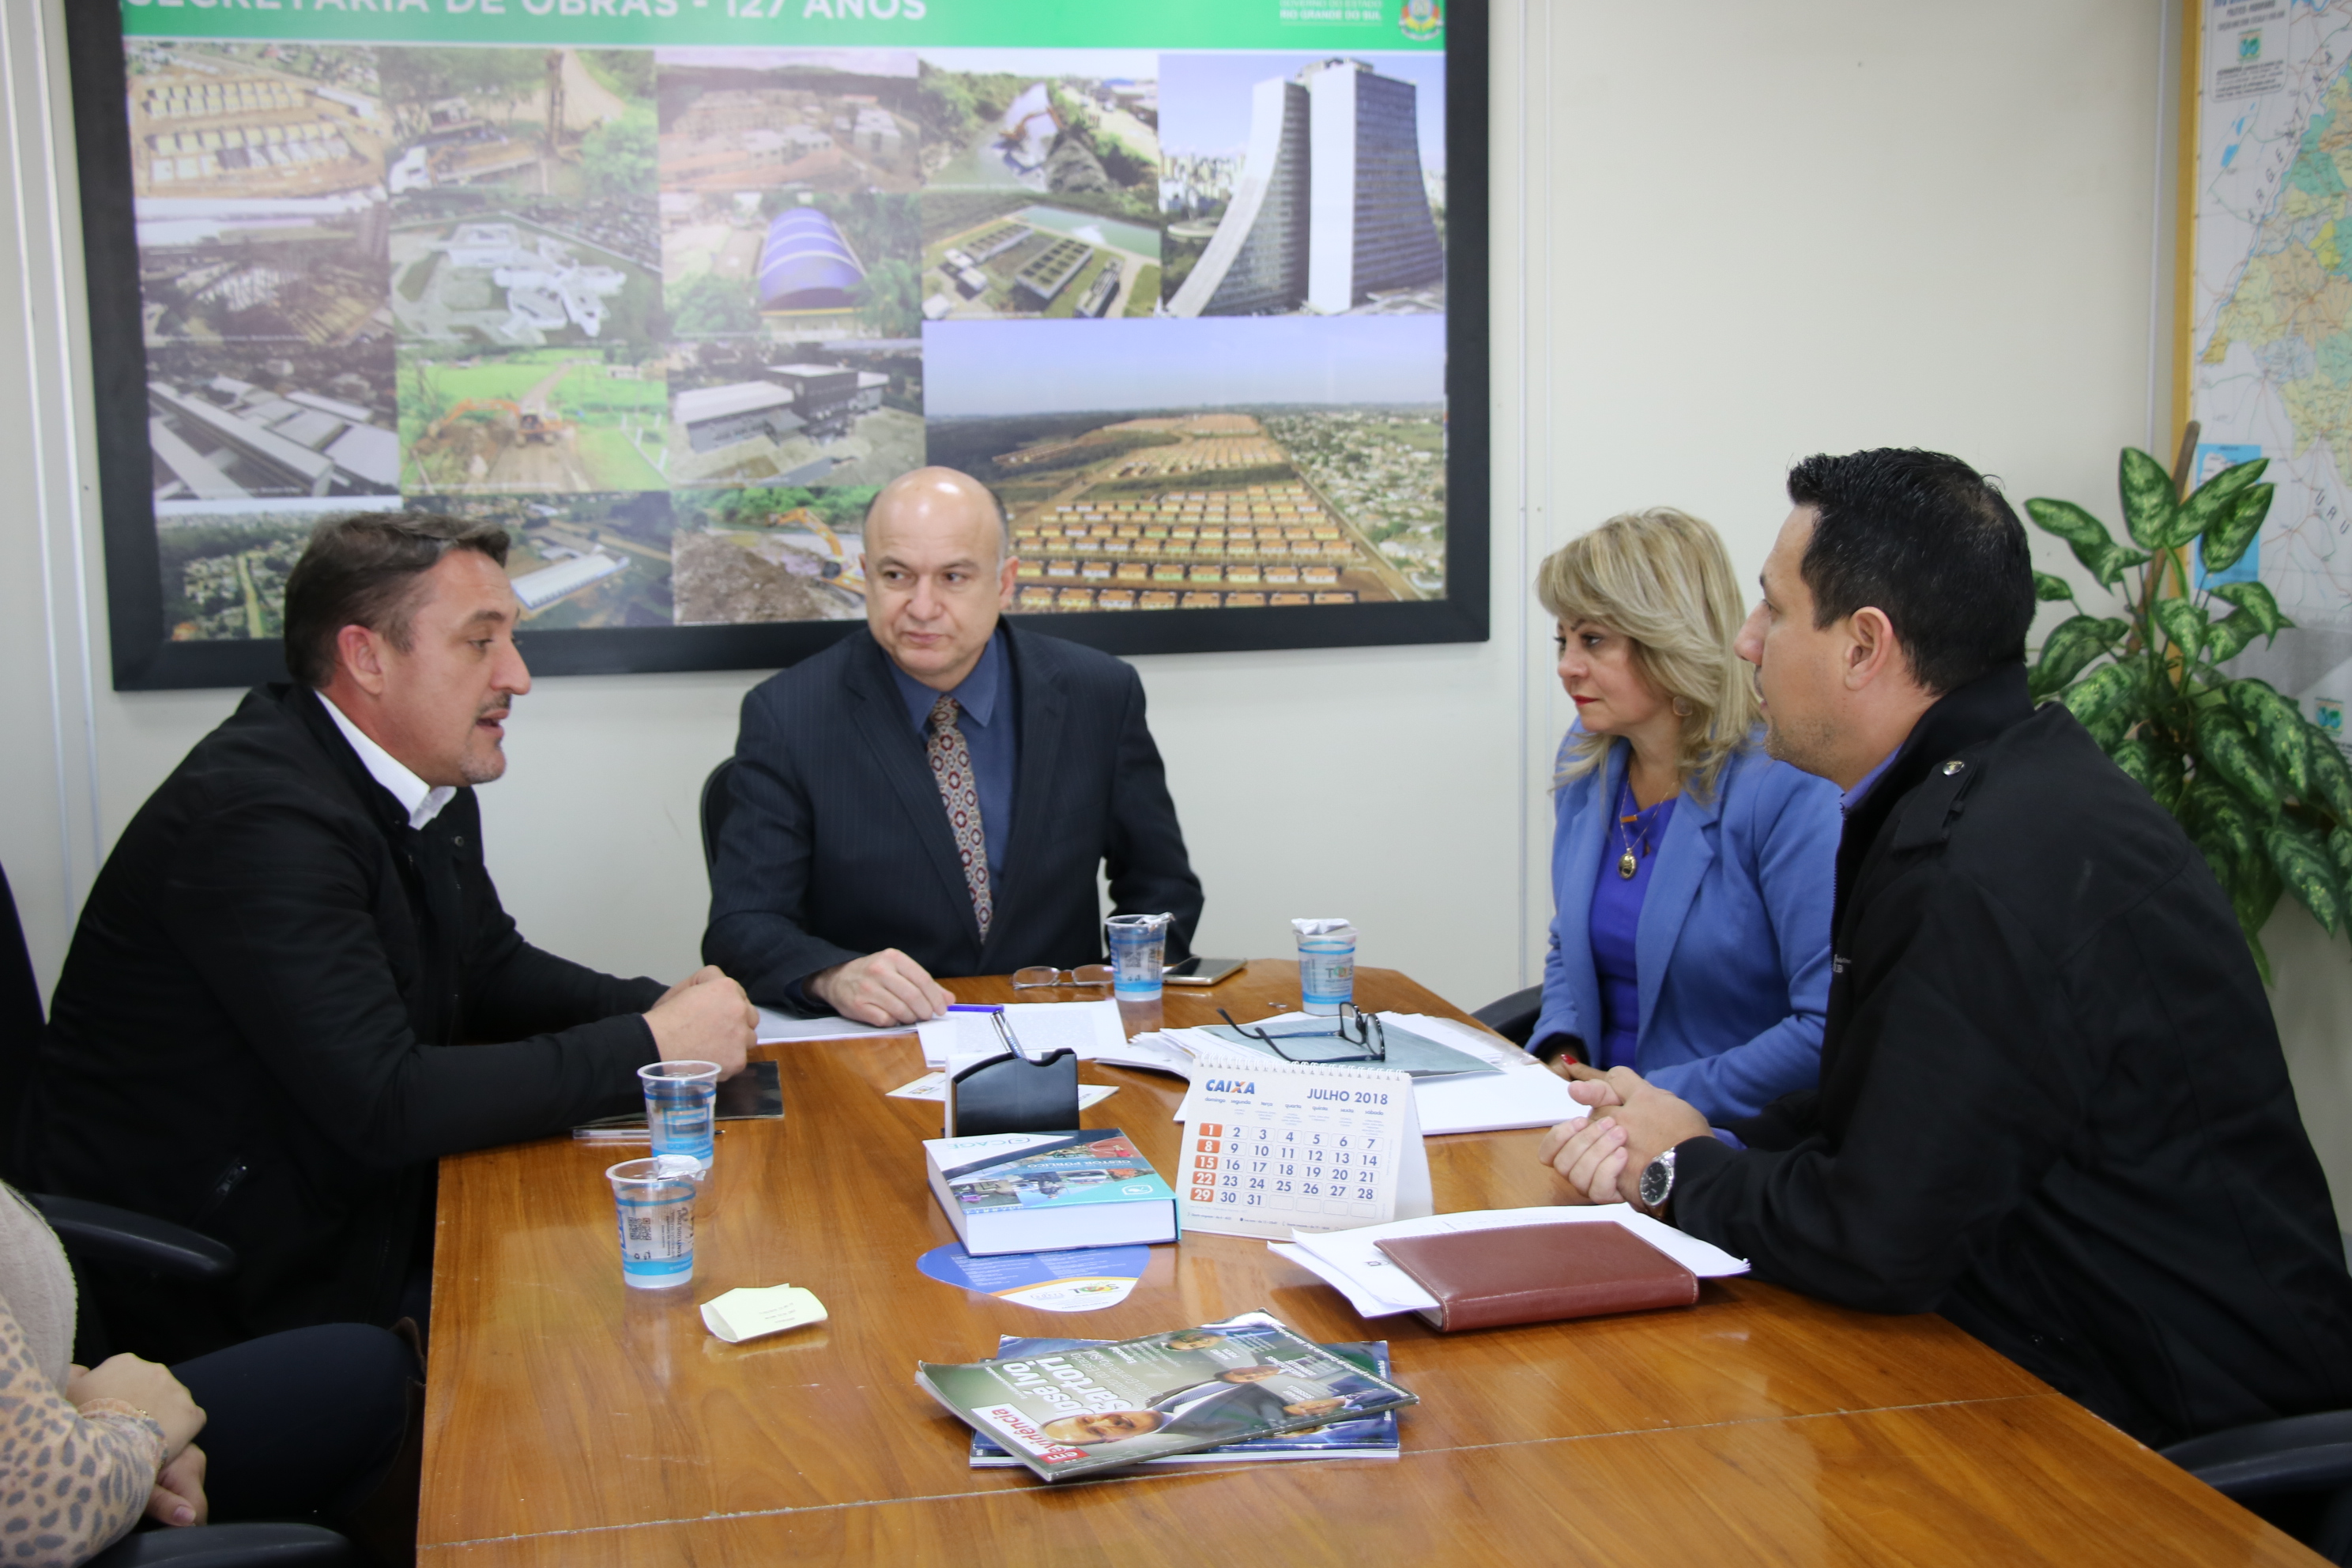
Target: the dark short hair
pixel 1929 541
pixel 361 571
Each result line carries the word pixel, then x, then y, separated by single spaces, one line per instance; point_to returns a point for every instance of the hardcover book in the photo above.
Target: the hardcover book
pixel 1029 1192
pixel 1075 1412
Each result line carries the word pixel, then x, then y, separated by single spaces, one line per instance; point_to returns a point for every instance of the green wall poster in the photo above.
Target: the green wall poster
pixel 670 288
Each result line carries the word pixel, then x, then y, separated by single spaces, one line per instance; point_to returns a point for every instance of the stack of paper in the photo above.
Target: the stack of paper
pixel 775 1026
pixel 1520 1093
pixel 1089 1028
pixel 1351 1262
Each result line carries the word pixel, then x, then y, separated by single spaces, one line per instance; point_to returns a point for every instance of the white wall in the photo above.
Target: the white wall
pixel 1726 235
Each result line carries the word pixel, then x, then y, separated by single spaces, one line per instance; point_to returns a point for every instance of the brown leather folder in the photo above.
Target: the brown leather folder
pixel 1539 1273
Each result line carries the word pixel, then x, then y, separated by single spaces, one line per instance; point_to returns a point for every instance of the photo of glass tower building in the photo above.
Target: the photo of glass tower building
pixel 1330 205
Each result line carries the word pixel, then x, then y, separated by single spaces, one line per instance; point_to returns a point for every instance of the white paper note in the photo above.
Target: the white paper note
pixel 775 1026
pixel 746 1313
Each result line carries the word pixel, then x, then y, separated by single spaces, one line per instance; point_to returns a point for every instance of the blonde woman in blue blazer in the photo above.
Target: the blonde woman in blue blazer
pixel 1691 875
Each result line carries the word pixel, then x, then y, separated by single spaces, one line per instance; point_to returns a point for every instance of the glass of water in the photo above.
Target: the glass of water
pixel 1137 944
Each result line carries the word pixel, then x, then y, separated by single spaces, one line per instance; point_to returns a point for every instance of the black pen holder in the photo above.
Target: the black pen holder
pixel 1013 1094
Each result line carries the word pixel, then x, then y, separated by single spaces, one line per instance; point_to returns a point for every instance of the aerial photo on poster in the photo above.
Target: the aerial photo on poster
pixel 769 119
pixel 242 420
pixel 551 124
pixel 770 554
pixel 782 265
pixel 222 565
pixel 497 280
pixel 1303 184
pixel 813 412
pixel 579 561
pixel 1041 196
pixel 522 420
pixel 1204 464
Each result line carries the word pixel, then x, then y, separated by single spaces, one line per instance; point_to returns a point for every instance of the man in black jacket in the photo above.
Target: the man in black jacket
pixel 936 798
pixel 2053 1106
pixel 276 1009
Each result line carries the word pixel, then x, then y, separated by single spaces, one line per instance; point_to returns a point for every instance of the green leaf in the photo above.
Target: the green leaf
pixel 2051 588
pixel 2070 647
pixel 2109 563
pixel 2222 819
pixel 2093 546
pixel 2150 503
pixel 2278 729
pixel 2257 602
pixel 2111 691
pixel 2155 769
pixel 2228 752
pixel 2213 501
pixel 2330 774
pixel 2307 872
pixel 2228 637
pixel 2184 624
pixel 2229 535
pixel 2069 523
pixel 2339 850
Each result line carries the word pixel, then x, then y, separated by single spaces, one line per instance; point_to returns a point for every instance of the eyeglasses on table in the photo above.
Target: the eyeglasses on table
pixel 1038 976
pixel 1353 1026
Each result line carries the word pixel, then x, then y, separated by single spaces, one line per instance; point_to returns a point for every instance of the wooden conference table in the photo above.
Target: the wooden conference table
pixel 567 1425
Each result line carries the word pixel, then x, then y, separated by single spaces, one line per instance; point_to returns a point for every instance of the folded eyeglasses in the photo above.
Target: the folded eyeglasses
pixel 1352 1026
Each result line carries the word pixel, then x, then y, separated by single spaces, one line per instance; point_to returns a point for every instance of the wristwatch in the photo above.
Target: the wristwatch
pixel 1658 1182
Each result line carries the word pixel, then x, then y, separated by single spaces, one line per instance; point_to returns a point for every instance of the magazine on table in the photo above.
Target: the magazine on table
pixel 1073 1411
pixel 1365 1437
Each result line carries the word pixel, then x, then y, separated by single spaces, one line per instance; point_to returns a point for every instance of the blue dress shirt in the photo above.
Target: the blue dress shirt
pixel 1616 923
pixel 989 704
pixel 1733 941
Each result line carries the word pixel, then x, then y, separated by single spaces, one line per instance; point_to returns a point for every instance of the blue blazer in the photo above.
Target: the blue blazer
pixel 1733 947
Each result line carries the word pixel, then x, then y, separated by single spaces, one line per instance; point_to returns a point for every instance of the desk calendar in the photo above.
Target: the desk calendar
pixel 1271 1148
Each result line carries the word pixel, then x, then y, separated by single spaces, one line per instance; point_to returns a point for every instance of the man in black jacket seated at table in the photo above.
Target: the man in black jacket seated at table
pixel 936 798
pixel 273 1016
pixel 2053 1106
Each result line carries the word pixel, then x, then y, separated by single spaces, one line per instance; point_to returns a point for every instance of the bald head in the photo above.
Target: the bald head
pixel 933 496
pixel 938 570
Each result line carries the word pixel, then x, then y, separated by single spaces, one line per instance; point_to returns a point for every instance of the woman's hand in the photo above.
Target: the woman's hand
pixel 179 1495
pixel 147 1386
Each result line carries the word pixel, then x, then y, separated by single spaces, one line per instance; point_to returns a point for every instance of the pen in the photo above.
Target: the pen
pixel 1005 1030
pixel 974 1008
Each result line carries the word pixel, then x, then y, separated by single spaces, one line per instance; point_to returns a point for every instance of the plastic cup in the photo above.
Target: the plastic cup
pixel 1326 966
pixel 1138 945
pixel 679 1099
pixel 653 1201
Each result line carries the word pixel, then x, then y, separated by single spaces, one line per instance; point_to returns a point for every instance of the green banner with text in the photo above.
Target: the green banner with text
pixel 938 24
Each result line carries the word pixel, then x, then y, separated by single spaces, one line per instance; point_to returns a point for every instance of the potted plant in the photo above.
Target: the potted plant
pixel 2262 791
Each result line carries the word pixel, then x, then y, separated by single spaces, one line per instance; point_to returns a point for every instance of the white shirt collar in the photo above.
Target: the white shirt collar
pixel 423 801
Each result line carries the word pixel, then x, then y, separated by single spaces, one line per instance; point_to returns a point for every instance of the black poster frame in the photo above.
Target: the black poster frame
pixel 144 659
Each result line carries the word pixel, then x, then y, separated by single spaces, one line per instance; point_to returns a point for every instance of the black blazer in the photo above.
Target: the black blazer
pixel 258 1029
pixel 837 845
pixel 2053 1106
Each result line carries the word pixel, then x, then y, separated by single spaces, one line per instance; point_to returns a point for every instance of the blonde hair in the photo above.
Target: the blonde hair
pixel 1661 579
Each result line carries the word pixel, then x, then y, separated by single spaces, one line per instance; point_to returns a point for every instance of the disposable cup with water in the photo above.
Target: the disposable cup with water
pixel 1138 945
pixel 653 1201
pixel 1326 964
pixel 680 1098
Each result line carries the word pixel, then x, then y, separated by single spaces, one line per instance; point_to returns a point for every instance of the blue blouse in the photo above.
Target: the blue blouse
pixel 1616 917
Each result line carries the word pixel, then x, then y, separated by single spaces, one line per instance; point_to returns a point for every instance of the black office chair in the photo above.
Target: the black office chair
pixel 2308 1456
pixel 1513 1017
pixel 101 1233
pixel 716 804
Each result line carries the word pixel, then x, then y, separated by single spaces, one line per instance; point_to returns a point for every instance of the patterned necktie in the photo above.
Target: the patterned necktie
pixel 952 767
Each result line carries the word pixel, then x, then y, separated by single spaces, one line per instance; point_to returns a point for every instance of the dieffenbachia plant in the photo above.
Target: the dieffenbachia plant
pixel 2262 792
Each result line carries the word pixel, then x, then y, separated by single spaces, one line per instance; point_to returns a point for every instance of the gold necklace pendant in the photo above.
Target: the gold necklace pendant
pixel 1627 865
